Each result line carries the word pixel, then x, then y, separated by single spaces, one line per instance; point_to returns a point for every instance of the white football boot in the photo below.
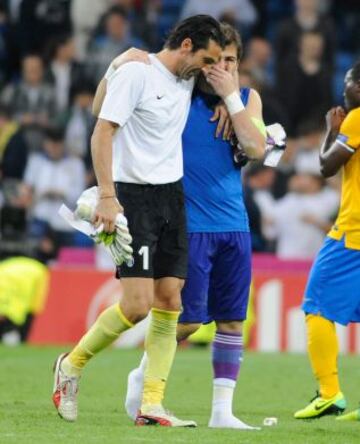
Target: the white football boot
pixel 65 392
pixel 157 415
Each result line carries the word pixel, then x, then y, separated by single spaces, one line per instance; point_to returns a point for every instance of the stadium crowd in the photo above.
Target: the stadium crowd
pixel 54 52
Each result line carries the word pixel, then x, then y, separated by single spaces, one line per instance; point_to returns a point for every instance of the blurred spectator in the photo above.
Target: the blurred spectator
pixel 13 148
pixel 13 220
pixel 306 159
pixel 263 16
pixel 301 219
pixel 258 182
pixel 308 17
pixel 78 121
pixel 117 37
pixel 148 16
pixel 62 180
pixel 4 50
pixel 242 11
pixel 257 60
pixel 85 15
pixel 31 101
pixel 63 71
pixel 11 33
pixel 23 292
pixel 40 21
pixel 304 82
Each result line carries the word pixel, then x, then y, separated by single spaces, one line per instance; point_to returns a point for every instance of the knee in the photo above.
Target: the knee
pixel 186 330
pixel 137 307
pixel 231 327
pixel 168 294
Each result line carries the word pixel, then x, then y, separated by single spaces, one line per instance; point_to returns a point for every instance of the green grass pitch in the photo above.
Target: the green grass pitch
pixel 270 385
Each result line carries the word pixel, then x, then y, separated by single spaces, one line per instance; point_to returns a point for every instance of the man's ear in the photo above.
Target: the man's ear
pixel 187 45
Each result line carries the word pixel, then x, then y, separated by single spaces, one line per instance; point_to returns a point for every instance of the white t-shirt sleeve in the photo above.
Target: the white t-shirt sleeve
pixel 109 72
pixel 32 170
pixel 123 93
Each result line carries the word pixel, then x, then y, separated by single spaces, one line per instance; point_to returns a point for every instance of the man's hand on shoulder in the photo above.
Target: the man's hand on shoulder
pixel 131 55
pixel 224 125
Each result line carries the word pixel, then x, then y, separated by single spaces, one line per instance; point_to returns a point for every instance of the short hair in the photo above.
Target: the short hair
pixel 54 133
pixel 355 71
pixel 200 29
pixel 232 37
pixel 31 55
pixel 116 10
pixel 54 44
pixel 85 86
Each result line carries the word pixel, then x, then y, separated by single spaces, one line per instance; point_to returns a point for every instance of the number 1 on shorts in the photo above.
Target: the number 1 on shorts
pixel 144 252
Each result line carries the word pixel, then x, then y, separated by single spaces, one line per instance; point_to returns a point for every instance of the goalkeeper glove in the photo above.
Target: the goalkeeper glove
pixel 117 243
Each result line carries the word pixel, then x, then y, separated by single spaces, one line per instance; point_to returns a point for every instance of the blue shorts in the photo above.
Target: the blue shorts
pixel 333 288
pixel 218 279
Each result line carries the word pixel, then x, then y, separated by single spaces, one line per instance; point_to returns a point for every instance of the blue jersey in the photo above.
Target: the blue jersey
pixel 212 182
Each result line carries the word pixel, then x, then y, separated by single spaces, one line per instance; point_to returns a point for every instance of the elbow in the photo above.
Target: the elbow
pixel 93 141
pixel 327 169
pixel 327 172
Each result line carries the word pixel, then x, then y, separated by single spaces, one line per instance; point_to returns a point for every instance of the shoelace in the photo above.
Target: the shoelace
pixel 162 411
pixel 71 387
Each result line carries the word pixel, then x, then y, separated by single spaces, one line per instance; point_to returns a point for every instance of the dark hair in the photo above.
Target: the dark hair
pixel 54 134
pixel 200 29
pixel 116 10
pixel 231 36
pixel 355 71
pixel 34 55
pixel 54 45
pixel 86 86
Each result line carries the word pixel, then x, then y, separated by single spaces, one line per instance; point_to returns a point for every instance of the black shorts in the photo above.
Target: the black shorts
pixel 157 223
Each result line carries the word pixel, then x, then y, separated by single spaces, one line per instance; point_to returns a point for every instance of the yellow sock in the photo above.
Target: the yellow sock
pixel 323 352
pixel 106 329
pixel 160 346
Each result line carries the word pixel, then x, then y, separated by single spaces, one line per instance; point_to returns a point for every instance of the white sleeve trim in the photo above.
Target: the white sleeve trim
pixel 109 72
pixel 347 147
pixel 110 117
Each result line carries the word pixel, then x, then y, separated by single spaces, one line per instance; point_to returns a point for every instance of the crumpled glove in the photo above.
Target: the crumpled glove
pixel 274 147
pixel 275 144
pixel 117 243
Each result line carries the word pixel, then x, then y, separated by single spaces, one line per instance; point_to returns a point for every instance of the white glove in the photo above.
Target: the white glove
pixel 275 144
pixel 117 243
